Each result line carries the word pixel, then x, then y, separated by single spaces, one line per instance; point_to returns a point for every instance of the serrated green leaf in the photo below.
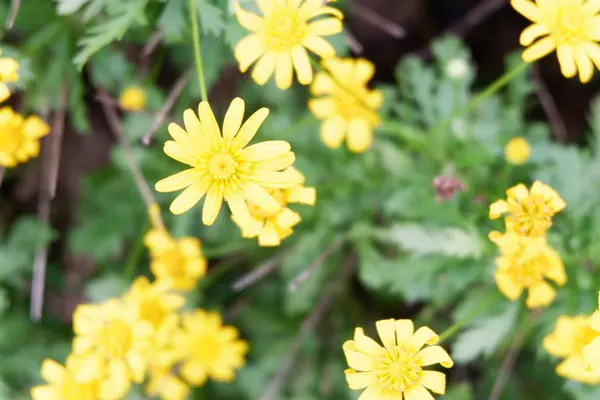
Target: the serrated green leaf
pixel 211 17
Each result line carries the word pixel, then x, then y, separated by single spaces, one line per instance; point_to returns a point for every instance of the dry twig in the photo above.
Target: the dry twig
pixel 2 172
pixel 152 43
pixel 304 275
pixel 258 273
pixel 47 191
pixel 377 20
pixel 14 10
pixel 559 129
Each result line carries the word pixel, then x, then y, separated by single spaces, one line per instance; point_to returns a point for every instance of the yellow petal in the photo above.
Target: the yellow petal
pixel 259 196
pixel 238 206
pixel 507 285
pixel 371 393
pixel 527 9
pixel 5 94
pixel 302 65
pixel 179 153
pixel 180 135
pixel 137 364
pixel 434 355
pixel 233 118
pixel 263 70
pixel 363 70
pixel 498 208
pixel 189 197
pixel 532 33
pixel 319 46
pixel 518 192
pixel 52 372
pixel 539 49
pixel 323 108
pixel 268 236
pixel 209 122
pixel 418 393
pixel 566 58
pixel 365 344
pixel 46 392
pixel 178 181
pixel 359 380
pixel 593 7
pixel 212 204
pixel 595 321
pixel 434 381
pixel 540 295
pixel 249 129
pixel 323 84
pixel 303 195
pixel 117 384
pixel 360 135
pixel 591 354
pixel 288 218
pixel 283 71
pixel 325 27
pixel 584 65
pixel 34 127
pixel 404 330
pixel 274 179
pixel 266 6
pixel 387 332
pixel 89 368
pixel 424 335
pixel 355 359
pixel 248 50
pixel 265 150
pixel 333 131
pixel 276 163
pixel 248 20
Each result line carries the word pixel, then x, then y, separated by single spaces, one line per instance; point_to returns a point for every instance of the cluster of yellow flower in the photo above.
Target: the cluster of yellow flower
pixel 19 135
pixel 146 336
pixel 526 258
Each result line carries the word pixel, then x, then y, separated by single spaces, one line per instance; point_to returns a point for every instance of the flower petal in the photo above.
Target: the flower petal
pixel 248 20
pixel 387 332
pixel 359 380
pixel 249 129
pixel 323 108
pixel 268 236
pixel 532 33
pixel 325 27
pixel 212 204
pixel 283 71
pixel 319 46
pixel 418 393
pixel 265 150
pixel 434 355
pixel 189 197
pixel 52 372
pixel 355 359
pixel 540 295
pixel 584 65
pixel 46 392
pixel 233 118
pixel 434 381
pixel 178 181
pixel 539 49
pixel 257 195
pixel 275 179
pixel 595 321
pixel 276 163
pixel 566 58
pixel 333 131
pixel 365 344
pixel 208 120
pixel 527 9
pixel 248 50
pixel 360 135
pixel 507 285
pixel 179 153
pixel 404 330
pixel 303 195
pixel 237 205
pixel 263 70
pixel 302 65
pixel 363 70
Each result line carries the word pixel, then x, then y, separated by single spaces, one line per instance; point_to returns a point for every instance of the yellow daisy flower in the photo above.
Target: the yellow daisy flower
pixel 110 345
pixel 133 98
pixel 524 263
pixel 272 228
pixel 9 72
pixel 222 167
pixel 395 371
pixel 591 352
pixel 567 341
pixel 530 212
pixel 62 384
pixel 154 302
pixel 177 264
pixel 19 137
pixel 571 27
pixel 210 349
pixel 279 39
pixel 517 151
pixel 349 112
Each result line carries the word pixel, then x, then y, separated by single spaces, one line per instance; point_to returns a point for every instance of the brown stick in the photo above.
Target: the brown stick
pixel 377 20
pixel 258 273
pixel 47 191
pixel 2 172
pixel 152 43
pixel 559 129
pixel 14 10
pixel 304 275
pixel 166 108
pixel 353 43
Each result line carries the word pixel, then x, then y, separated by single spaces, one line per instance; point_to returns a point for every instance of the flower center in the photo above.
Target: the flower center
pixel 152 311
pixel 530 272
pixel 222 166
pixel 532 216
pixel 570 25
pixel 206 349
pixel 259 213
pixel 174 262
pixel 398 369
pixel 115 339
pixel 284 29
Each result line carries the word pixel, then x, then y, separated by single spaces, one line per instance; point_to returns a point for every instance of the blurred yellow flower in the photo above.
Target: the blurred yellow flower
pixel 571 27
pixel 524 263
pixel 154 302
pixel 517 151
pixel 567 341
pixel 279 39
pixel 177 264
pixel 62 384
pixel 19 137
pixel 9 72
pixel 209 349
pixel 348 112
pixel 395 371
pixel 133 98
pixel 223 167
pixel 529 212
pixel 591 352
pixel 272 228
pixel 111 345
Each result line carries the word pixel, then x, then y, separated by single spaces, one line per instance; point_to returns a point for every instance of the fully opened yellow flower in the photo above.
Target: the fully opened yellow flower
pixel 210 350
pixel 111 345
pixel 177 264
pixel 133 98
pixel 279 39
pixel 395 371
pixel 517 151
pixel 19 137
pixel 530 212
pixel 62 384
pixel 349 112
pixel 9 72
pixel 524 263
pixel 222 167
pixel 567 341
pixel 272 228
pixel 591 352
pixel 571 27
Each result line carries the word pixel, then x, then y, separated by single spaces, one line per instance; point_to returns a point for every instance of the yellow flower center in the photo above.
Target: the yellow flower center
pixel 570 24
pixel 174 262
pixel 115 339
pixel 398 369
pixel 530 272
pixel 532 216
pixel 71 390
pixel 206 349
pixel 222 166
pixel 285 29
pixel 259 213
pixel 151 310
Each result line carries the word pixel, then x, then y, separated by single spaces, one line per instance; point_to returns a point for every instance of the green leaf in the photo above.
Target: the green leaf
pixel 173 21
pixel 211 17
pixel 462 391
pixel 105 287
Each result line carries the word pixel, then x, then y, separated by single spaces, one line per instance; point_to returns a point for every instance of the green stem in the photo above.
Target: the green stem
pixel 454 328
pixel 136 253
pixel 197 53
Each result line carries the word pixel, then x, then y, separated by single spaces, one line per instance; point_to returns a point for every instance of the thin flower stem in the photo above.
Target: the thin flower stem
pixel 133 258
pixel 454 328
pixel 197 53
